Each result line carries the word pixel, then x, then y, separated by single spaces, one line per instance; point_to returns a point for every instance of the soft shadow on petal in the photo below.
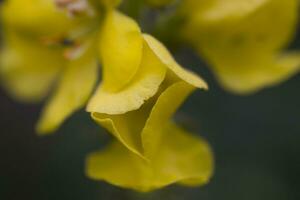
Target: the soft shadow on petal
pixel 120 47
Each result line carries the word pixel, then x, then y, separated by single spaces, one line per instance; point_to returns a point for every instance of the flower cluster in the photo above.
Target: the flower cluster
pixel 56 47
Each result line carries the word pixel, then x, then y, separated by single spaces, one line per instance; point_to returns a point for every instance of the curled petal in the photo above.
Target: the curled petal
pixel 143 86
pixel 164 55
pixel 140 130
pixel 182 158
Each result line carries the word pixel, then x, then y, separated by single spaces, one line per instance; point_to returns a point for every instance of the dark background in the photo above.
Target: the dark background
pixel 256 140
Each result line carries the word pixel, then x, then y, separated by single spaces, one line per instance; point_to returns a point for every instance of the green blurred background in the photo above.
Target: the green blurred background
pixel 256 141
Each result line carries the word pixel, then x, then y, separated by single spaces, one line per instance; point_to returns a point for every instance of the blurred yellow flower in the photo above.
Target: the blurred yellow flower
pixel 35 57
pixel 42 19
pixel 244 41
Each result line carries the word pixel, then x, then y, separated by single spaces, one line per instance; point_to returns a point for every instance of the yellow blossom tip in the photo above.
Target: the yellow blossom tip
pixel 164 55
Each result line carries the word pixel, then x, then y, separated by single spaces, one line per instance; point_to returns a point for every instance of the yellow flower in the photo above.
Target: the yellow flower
pixel 34 57
pixel 244 41
pixel 151 151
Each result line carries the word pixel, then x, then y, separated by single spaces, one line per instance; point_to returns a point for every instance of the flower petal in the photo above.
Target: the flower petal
pixel 140 130
pixel 72 93
pixel 184 158
pixel 164 108
pixel 143 86
pixel 120 47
